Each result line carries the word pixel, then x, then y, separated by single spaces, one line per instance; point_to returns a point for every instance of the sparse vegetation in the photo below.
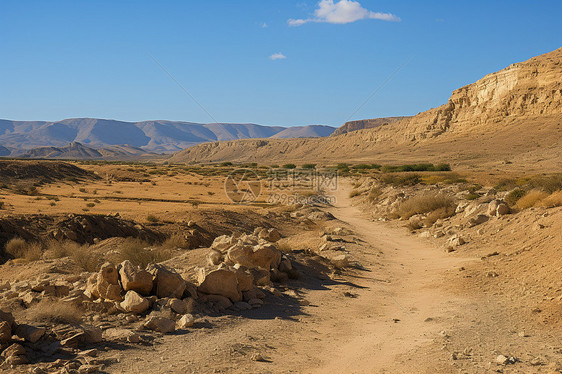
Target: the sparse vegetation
pixel 554 200
pixel 309 166
pixel 19 248
pixel 437 204
pixel 374 194
pixel 531 198
pixel 140 253
pixel 415 167
pixel 401 180
pixel 54 312
pixel 513 196
pixel 152 218
pixel 289 166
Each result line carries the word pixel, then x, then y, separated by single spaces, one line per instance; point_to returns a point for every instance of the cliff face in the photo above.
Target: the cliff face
pixel 513 111
pixel 526 89
pixel 366 124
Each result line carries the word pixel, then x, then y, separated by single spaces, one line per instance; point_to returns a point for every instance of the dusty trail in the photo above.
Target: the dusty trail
pixel 401 308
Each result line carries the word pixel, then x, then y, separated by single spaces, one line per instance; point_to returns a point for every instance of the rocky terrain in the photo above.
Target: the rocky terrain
pixel 366 124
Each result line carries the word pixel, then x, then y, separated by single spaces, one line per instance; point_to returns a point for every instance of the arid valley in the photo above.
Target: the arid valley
pixel 427 243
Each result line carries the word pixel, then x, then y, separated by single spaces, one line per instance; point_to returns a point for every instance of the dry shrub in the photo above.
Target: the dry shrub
pixel 554 200
pixel 177 240
pixel 531 199
pixel 19 248
pixel 513 196
pixel 59 249
pixel 139 252
pixel 426 203
pixel 374 194
pixel 87 259
pixel 54 312
pixel 440 213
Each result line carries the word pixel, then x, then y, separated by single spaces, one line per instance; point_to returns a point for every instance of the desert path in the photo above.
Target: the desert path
pixel 401 308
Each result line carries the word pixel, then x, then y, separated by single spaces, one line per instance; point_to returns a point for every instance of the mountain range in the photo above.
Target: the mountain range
pixel 103 138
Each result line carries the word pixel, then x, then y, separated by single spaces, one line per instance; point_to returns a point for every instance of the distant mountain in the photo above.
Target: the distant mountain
pixel 366 124
pixel 146 136
pixel 79 151
pixel 310 131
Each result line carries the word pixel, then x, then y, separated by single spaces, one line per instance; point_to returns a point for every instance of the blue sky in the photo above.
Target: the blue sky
pixel 64 59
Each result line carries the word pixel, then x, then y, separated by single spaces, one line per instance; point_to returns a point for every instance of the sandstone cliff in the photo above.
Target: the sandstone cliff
pixel 511 113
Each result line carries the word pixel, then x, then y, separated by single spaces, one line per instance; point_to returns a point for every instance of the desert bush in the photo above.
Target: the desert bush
pixel 85 258
pixel 513 196
pixel 152 218
pixel 2 205
pixel 440 213
pixel 550 183
pixel 90 205
pixel 427 203
pixel 355 193
pixel 366 166
pixel 401 180
pixel 472 196
pixel 289 166
pixel 374 194
pixel 506 184
pixel 54 312
pixel 176 240
pixel 19 248
pixel 416 167
pixel 554 200
pixel 309 166
pixel 531 199
pixel 139 252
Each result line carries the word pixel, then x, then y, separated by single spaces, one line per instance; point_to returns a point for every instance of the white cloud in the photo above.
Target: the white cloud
pixel 341 12
pixel 277 56
pixel 264 25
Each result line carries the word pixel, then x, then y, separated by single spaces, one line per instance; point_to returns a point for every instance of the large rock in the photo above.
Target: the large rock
pixel 135 303
pixel 477 220
pixel 271 235
pixel 160 324
pixel 104 284
pixel 133 278
pixel 264 256
pixel 7 317
pixel 30 333
pixel 168 283
pixel 245 279
pixel 178 306
pixel 220 282
pixel 498 208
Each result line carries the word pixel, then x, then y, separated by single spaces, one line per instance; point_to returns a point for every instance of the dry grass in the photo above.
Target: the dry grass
pixel 19 248
pixel 374 195
pixel 531 199
pixel 54 312
pixel 437 204
pixel 177 240
pixel 86 259
pixel 554 200
pixel 140 253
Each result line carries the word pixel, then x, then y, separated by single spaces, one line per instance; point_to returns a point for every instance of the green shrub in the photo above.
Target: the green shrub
pixel 401 180
pixel 309 166
pixel 152 218
pixel 289 166
pixel 513 196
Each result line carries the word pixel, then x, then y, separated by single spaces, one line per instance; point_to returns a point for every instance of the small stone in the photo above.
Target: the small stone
pixel 242 305
pixel 160 324
pixel 258 357
pixel 186 321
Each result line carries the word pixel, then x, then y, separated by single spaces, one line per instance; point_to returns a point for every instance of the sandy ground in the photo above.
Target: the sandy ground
pixel 397 315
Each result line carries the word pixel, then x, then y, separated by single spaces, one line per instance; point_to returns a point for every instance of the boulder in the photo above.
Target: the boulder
pixel 271 235
pixel 455 241
pixel 178 306
pixel 219 301
pixel 502 209
pixel 104 284
pixel 187 320
pixel 30 333
pixel 215 257
pixel 220 282
pixel 167 282
pixel 477 220
pixel 222 243
pixel 133 278
pixel 135 303
pixel 160 324
pixel 245 279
